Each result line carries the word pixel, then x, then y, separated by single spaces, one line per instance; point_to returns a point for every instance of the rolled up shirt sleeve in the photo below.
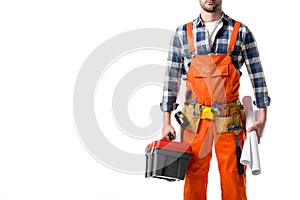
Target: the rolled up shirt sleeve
pixel 252 60
pixel 173 74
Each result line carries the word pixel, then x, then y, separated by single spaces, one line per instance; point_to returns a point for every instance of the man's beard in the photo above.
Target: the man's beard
pixel 210 9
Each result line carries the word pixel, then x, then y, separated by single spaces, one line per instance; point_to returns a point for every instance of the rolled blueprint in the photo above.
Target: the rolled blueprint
pixel 250 154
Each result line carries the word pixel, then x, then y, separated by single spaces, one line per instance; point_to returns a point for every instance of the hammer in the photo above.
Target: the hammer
pixel 236 130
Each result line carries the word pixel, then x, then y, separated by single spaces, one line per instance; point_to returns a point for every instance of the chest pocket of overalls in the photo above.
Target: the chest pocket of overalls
pixel 212 71
pixel 209 81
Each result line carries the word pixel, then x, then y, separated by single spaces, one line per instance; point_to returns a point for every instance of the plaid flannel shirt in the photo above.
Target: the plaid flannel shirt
pixel 179 59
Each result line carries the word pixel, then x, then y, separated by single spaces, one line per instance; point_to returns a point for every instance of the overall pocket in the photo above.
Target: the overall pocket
pixel 211 82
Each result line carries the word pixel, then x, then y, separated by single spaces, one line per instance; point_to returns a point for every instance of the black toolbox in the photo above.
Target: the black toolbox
pixel 167 159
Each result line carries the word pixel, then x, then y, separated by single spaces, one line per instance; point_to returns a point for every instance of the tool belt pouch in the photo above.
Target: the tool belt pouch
pixel 222 123
pixel 236 118
pixel 192 115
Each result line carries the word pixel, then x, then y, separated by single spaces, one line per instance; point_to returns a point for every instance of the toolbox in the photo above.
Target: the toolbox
pixel 166 159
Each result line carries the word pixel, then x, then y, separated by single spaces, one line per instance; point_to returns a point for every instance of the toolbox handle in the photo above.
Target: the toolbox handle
pixel 170 136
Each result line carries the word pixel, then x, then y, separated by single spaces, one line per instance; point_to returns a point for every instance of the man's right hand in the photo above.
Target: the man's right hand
pixel 168 128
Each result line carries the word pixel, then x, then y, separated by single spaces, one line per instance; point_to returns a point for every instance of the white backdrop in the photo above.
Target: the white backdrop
pixel 43 46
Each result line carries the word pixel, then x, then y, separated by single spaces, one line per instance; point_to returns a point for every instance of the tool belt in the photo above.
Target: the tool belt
pixel 224 115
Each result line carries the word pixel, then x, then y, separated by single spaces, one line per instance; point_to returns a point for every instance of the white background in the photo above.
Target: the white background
pixel 43 46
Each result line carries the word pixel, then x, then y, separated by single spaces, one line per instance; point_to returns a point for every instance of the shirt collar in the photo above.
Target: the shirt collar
pixel 200 23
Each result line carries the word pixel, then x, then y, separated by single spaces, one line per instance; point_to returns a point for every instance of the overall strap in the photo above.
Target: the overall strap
pixel 190 37
pixel 234 35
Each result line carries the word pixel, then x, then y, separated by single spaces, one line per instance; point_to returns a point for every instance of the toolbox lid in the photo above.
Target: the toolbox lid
pixel 170 145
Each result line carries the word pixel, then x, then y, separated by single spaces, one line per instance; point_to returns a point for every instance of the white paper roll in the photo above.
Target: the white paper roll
pixel 250 153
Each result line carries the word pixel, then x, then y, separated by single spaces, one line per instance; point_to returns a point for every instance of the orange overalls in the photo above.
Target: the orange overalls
pixel 213 78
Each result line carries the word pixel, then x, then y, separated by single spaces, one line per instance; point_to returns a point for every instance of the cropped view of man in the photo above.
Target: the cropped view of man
pixel 208 54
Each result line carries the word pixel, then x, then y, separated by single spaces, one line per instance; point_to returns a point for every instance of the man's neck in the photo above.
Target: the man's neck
pixel 210 17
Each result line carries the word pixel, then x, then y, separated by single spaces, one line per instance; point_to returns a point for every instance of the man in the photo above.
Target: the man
pixel 208 54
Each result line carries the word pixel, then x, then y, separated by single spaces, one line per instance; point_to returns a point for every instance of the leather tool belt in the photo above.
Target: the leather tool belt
pixel 224 115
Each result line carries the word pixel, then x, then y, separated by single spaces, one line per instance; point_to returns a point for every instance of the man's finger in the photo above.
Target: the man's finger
pixel 258 139
pixel 251 129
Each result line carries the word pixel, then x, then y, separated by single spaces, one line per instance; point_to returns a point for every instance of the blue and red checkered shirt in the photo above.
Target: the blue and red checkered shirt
pixel 245 51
